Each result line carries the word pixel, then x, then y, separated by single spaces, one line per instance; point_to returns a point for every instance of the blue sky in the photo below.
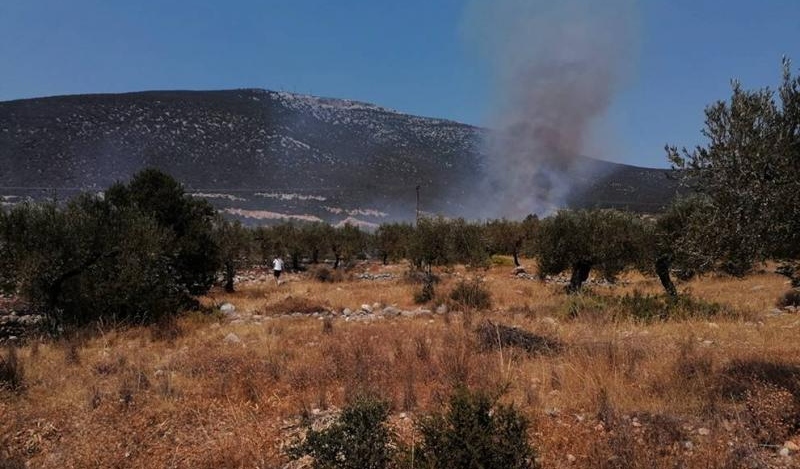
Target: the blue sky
pixel 408 55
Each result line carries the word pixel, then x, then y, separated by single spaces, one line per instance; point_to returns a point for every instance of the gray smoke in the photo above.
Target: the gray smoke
pixel 556 66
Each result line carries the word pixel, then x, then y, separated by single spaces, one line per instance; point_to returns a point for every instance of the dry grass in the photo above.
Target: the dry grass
pixel 621 393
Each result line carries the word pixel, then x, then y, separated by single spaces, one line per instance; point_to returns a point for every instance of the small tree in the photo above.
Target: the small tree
pixel 129 256
pixel 391 240
pixel 346 242
pixel 581 240
pixel 313 237
pixel 188 220
pixel 680 239
pixel 235 242
pixel 467 243
pixel 510 237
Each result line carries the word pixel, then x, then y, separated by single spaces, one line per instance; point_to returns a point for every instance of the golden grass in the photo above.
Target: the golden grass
pixel 122 399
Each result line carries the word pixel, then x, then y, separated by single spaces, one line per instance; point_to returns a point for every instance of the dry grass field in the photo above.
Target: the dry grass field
pixel 212 391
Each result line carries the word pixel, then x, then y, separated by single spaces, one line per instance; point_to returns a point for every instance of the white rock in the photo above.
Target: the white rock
pixel 347 312
pixel 441 309
pixel 232 338
pixel 791 446
pixel 703 431
pixel 571 458
pixel 784 452
pixel 227 308
pixel 391 311
pixel 367 308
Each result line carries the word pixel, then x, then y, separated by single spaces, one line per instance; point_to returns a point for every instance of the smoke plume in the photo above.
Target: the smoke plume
pixel 556 66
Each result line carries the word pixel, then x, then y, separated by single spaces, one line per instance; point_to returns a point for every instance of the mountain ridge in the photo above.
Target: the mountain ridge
pixel 355 155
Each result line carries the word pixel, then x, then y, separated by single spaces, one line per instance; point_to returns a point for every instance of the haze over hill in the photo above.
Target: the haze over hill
pixel 263 155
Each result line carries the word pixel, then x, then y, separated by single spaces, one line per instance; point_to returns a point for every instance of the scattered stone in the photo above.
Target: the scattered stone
pixel 366 308
pixel 571 458
pixel 441 309
pixel 791 446
pixel 232 339
pixel 382 276
pixel 703 431
pixel 784 452
pixel 391 311
pixel 550 321
pixel 347 312
pixel 227 308
pixel 688 445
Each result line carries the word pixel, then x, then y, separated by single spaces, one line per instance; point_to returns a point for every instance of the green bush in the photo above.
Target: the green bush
pixel 585 303
pixel 471 294
pixel 134 255
pixel 475 432
pixel 660 307
pixel 358 439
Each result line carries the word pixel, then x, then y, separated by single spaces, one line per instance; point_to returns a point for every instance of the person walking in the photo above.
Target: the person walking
pixel 277 269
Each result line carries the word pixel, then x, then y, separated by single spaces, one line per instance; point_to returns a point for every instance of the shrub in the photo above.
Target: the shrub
pixel 491 336
pixel 471 295
pixel 357 439
pixel 475 432
pixel 790 298
pixel 292 304
pixel 326 275
pixel 742 375
pixel 428 280
pixel 772 413
pixel 585 303
pixel 11 371
pixel 662 307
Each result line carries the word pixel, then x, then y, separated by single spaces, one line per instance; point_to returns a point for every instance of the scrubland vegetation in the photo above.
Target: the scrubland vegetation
pixel 705 390
pixel 591 338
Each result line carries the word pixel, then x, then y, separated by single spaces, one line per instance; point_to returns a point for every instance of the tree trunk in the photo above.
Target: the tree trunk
pixel 336 262
pixel 662 270
pixel 296 262
pixel 385 258
pixel 230 273
pixel 516 258
pixel 580 273
pixel 315 256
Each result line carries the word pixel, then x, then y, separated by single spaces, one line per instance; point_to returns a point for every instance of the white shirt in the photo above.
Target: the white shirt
pixel 277 264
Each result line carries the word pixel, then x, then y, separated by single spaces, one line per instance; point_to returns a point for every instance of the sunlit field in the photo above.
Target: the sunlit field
pixel 715 386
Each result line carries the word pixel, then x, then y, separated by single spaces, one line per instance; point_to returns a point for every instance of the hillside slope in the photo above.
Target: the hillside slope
pixel 263 155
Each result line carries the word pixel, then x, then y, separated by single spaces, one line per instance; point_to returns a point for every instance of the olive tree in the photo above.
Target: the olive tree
pixel 749 170
pixel 607 240
pixel 235 248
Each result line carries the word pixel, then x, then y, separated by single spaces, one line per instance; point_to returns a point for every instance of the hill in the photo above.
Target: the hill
pixel 264 155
